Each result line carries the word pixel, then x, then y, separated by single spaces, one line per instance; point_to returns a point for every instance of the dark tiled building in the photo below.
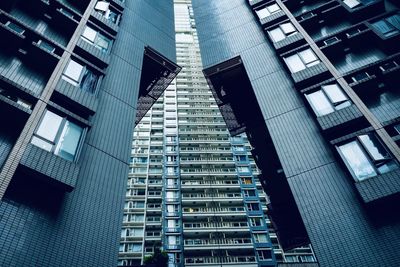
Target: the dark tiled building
pixel 71 74
pixel 314 84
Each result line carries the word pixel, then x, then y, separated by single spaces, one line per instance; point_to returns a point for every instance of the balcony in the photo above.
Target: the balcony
pixel 242 261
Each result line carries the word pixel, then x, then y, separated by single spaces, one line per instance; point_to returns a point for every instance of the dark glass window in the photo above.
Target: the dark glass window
pixel 388 26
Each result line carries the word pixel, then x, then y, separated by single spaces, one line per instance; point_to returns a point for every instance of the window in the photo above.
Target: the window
pixel 267 11
pixel 15 27
pixel 46 46
pixel 282 31
pixel 388 26
pixel 96 39
pixel 256 221
pixel 103 8
pixel 77 74
pixel 260 237
pixel 331 40
pixel 360 76
pixel 327 100
pixel 352 3
pixel 243 169
pixel 249 193
pixel 388 65
pixel 134 248
pixel 366 157
pixel 253 206
pixel 357 3
pixel 264 254
pixel 58 135
pixel 301 60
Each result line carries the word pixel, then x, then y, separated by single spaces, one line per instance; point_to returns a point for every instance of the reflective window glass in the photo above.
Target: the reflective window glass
pixel 357 161
pixel 319 103
pixel 294 63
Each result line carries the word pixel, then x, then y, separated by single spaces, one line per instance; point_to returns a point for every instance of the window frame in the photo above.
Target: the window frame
pixel 395 30
pixel 282 31
pixel 373 163
pixel 335 106
pixel 96 37
pixel 300 57
pixel 268 11
pixel 82 73
pixel 58 135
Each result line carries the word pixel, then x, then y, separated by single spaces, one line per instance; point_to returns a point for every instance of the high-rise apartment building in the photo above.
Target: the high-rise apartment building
pixel 71 72
pixel 193 191
pixel 315 86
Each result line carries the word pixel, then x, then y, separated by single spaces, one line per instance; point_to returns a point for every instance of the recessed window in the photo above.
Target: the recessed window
pixel 301 60
pixel 78 74
pixel 388 65
pixel 366 157
pixel 58 135
pixel 264 254
pixel 261 238
pixel 15 27
pixel 46 46
pixel 352 3
pixel 328 99
pixel 104 8
pixel 282 31
pixel 388 26
pixel 331 40
pixel 96 39
pixel 360 76
pixel 267 11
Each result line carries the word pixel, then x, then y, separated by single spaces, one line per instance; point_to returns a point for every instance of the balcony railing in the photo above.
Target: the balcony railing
pixel 220 260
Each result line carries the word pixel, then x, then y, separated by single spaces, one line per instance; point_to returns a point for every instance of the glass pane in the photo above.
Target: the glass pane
pixel 351 3
pixel 357 161
pixel 89 81
pixel 384 28
pixel 394 20
pixel 89 34
pixel 73 70
pixel 319 103
pixel 387 167
pixel 294 63
pixel 49 126
pixel 273 8
pixel 287 28
pixel 102 42
pixel 334 93
pixel 102 6
pixel 307 56
pixel 374 147
pixel 276 35
pixel 262 13
pixel 69 140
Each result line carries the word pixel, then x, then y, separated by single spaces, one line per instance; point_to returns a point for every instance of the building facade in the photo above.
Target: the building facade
pixel 71 74
pixel 193 191
pixel 314 84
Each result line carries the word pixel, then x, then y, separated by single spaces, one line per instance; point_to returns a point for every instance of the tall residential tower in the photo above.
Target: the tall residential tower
pixel 71 73
pixel 193 191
